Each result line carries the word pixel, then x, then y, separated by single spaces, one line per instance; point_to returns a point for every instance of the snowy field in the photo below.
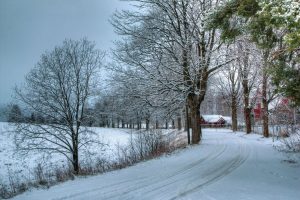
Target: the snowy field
pixel 22 166
pixel 225 166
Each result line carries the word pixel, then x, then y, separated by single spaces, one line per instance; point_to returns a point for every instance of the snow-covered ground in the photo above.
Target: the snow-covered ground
pixel 225 166
pixel 21 167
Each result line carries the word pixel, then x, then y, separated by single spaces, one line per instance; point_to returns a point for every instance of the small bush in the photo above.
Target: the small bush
pixel 14 187
pixel 63 174
pixel 4 191
pixel 39 175
pixel 147 144
pixel 291 139
pixel 292 143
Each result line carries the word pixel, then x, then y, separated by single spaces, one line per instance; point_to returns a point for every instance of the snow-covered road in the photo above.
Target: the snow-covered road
pixel 224 166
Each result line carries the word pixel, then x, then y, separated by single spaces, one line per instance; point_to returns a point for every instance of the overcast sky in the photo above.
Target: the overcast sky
pixel 30 27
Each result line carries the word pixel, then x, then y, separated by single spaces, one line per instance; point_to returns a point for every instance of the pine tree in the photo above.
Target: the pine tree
pixel 15 114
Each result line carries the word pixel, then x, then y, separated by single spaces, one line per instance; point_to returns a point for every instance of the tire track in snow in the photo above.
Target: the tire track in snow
pixel 94 190
pixel 219 172
pixel 160 182
pixel 141 183
pixel 156 180
pixel 231 166
pixel 161 186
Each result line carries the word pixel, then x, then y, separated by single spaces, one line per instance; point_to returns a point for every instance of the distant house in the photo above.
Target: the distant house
pixel 228 120
pixel 215 120
pixel 282 112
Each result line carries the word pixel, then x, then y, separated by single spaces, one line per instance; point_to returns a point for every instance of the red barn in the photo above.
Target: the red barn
pixel 213 120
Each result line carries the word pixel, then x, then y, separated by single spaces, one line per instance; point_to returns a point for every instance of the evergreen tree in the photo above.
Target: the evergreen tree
pixel 274 25
pixel 15 114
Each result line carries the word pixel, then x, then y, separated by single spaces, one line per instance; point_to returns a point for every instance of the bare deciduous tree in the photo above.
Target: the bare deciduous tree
pixel 171 47
pixel 268 91
pixel 58 88
pixel 249 65
pixel 230 87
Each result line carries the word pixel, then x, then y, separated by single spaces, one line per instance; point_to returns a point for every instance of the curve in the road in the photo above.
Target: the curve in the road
pixel 217 163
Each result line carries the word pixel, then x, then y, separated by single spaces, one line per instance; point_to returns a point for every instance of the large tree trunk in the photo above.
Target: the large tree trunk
pixel 266 122
pixel 244 73
pixel 247 108
pixel 264 99
pixel 234 112
pixel 187 123
pixel 75 162
pixel 247 115
pixel 179 123
pixel 75 158
pixel 194 105
pixel 196 127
